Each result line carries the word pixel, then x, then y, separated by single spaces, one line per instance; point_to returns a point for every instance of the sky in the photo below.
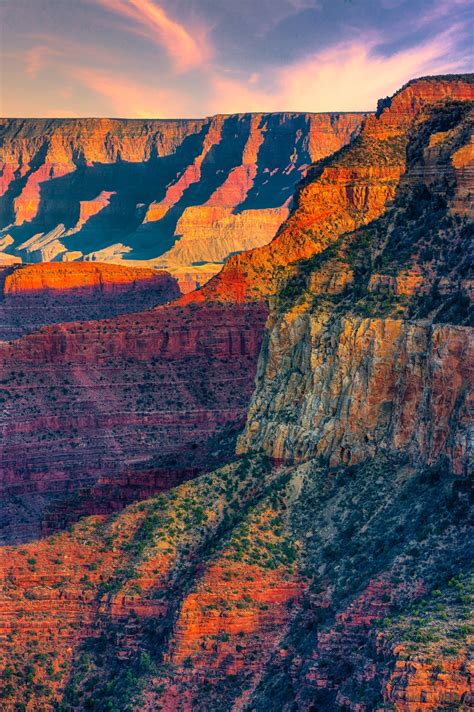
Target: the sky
pixel 194 58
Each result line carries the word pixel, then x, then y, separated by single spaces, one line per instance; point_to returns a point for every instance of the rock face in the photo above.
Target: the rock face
pixel 35 295
pixel 372 384
pixel 344 372
pixel 182 194
pixel 328 567
pixel 162 393
pixel 251 589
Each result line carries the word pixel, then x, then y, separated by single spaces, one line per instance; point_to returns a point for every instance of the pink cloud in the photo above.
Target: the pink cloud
pixel 37 57
pixel 129 98
pixel 186 49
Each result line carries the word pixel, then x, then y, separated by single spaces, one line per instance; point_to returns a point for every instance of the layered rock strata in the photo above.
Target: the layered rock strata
pixel 152 397
pixel 183 194
pixel 46 293
pixel 334 571
pixel 370 346
pixel 349 189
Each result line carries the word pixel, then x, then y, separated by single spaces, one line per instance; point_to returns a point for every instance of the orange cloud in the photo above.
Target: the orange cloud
pixel 186 50
pixel 353 76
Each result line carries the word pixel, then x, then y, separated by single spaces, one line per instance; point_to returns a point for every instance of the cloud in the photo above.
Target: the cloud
pixel 347 77
pixel 186 50
pixel 37 57
pixel 128 97
pixel 299 5
pixel 353 76
pixel 131 80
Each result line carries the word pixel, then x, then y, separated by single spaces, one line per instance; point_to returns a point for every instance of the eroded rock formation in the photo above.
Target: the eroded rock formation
pixel 34 295
pixel 163 391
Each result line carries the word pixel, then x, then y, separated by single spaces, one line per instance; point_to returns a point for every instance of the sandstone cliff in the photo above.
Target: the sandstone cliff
pixel 371 343
pixel 349 189
pixel 46 293
pixel 162 392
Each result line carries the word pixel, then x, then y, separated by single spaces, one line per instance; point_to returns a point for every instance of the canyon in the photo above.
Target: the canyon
pixel 135 416
pixel 181 195
pixel 299 434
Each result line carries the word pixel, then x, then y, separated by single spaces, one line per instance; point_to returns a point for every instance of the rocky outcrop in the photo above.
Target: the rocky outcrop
pixel 251 588
pixel 350 189
pixel 135 587
pixel 35 295
pixel 344 373
pixel 100 189
pixel 349 389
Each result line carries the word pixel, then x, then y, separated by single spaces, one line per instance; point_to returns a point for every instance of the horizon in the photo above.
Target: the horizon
pixel 445 77
pixel 190 59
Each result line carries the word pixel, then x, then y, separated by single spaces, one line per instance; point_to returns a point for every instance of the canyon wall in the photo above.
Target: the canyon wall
pixel 350 388
pixel 153 398
pixel 370 344
pixel 46 293
pixel 141 394
pixel 349 189
pixel 181 194
pixel 130 391
pixel 251 588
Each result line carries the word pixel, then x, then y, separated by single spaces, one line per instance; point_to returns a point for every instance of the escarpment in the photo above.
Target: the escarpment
pixel 101 380
pixel 151 191
pixel 371 345
pixel 251 588
pixel 130 391
pixel 329 567
pixel 35 295
pixel 140 402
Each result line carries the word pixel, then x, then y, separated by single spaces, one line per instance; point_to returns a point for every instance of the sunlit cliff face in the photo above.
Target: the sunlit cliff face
pixel 327 564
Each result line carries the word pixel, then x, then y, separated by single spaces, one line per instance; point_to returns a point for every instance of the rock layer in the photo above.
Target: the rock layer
pixel 348 390
pixel 335 573
pixel 163 392
pixel 348 190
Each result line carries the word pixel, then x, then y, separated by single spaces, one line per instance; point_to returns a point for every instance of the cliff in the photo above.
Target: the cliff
pixel 46 293
pixel 134 191
pixel 132 404
pixel 251 588
pixel 370 346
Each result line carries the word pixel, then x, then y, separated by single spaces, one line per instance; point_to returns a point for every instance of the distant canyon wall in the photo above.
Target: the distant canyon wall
pixel 32 296
pixel 180 194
